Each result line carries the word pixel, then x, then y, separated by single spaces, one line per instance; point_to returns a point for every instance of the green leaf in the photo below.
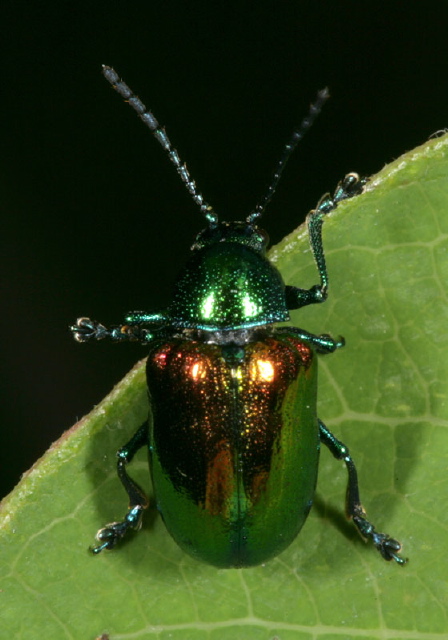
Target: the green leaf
pixel 385 395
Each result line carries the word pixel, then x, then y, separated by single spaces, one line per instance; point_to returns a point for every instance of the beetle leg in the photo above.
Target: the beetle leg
pixel 86 330
pixel 138 501
pixel 157 320
pixel 350 186
pixel 387 546
pixel 323 343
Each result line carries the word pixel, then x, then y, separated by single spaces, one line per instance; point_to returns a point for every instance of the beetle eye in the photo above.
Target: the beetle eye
pixel 264 237
pixel 206 236
pixel 259 238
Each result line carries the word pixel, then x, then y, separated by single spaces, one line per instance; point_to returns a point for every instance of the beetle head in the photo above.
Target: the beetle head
pixel 238 232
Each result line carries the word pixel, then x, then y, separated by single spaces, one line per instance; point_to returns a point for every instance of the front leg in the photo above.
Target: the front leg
pixel 139 326
pixel 296 298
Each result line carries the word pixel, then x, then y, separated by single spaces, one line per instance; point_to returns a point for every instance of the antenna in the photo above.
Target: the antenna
pixel 297 135
pixel 159 134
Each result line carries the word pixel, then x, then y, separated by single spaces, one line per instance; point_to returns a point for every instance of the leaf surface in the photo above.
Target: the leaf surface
pixel 385 395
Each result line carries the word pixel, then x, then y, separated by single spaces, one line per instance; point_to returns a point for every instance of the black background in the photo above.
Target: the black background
pixel 94 220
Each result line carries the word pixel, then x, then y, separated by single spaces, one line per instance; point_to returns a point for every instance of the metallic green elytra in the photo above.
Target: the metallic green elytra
pixel 244 489
pixel 233 437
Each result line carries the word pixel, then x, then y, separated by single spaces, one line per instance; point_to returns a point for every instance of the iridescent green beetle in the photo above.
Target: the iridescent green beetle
pixel 234 437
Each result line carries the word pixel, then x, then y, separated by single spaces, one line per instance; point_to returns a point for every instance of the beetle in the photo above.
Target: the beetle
pixel 233 437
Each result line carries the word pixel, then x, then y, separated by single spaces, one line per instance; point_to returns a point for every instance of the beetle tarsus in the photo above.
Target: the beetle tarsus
pixel 112 533
pixel 388 547
pixel 86 329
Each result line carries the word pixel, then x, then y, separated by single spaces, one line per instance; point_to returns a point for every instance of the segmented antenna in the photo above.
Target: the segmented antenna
pixel 290 146
pixel 159 133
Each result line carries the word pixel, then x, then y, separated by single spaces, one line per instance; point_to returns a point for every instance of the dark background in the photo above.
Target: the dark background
pixel 94 220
